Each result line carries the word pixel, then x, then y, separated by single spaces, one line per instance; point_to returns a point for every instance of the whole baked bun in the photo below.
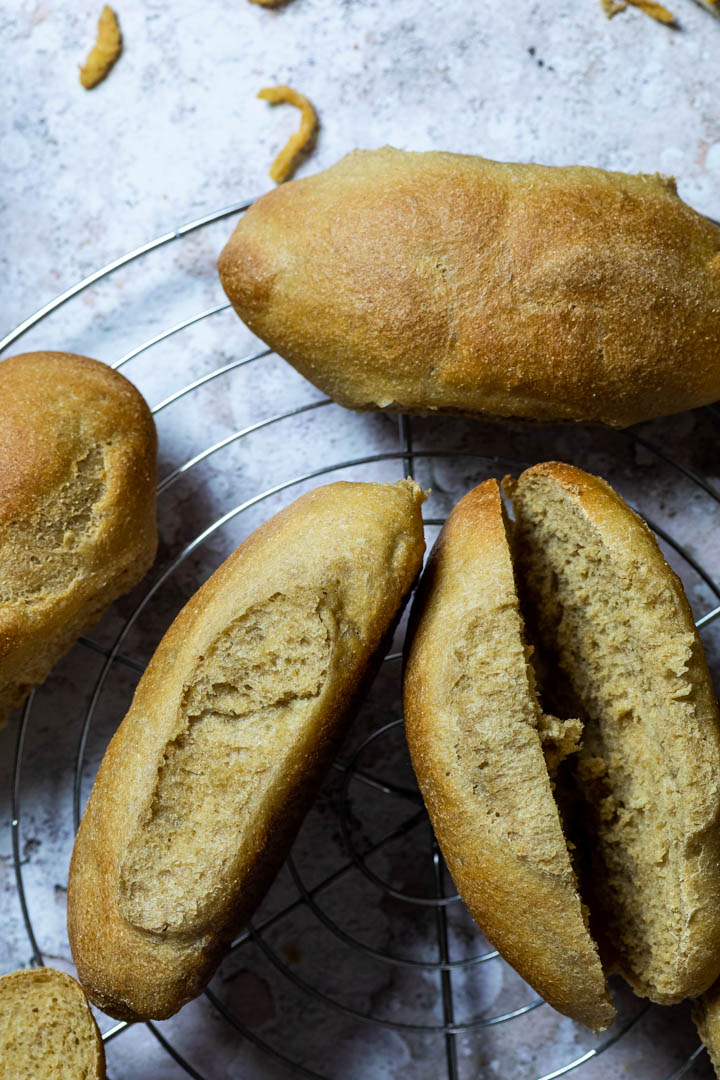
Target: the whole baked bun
pixel 436 282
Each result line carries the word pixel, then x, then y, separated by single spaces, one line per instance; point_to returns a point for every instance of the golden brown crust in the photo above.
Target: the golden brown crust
pixel 638 670
pixel 77 506
pixel 481 768
pixel 445 282
pixel 143 951
pixel 45 1014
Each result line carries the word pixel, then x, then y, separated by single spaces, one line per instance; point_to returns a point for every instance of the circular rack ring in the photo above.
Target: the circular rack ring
pixel 444 966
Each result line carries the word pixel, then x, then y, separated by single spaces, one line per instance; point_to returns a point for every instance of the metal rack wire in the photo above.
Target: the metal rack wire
pixel 352 772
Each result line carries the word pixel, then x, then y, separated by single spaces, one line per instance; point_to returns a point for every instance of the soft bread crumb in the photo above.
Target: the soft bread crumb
pixel 104 52
pixel 559 738
pixel 47 1029
pixel 476 729
pixel 509 486
pixel 302 141
pixel 412 486
pixel 628 661
pixel 244 703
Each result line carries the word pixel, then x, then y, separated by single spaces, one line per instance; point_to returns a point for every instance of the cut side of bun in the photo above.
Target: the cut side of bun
pixel 483 751
pixel 231 730
pixel 570 730
pixel 78 452
pixel 604 604
pixel 47 1029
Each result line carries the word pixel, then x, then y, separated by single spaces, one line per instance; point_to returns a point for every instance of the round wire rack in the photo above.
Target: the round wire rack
pixel 452 965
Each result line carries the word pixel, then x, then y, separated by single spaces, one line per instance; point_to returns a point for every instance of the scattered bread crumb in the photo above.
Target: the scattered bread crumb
pixel 710 5
pixel 655 11
pixel 270 3
pixel 104 52
pixel 287 160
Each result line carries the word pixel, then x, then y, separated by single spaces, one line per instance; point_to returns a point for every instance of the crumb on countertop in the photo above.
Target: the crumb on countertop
pixel 613 7
pixel 104 52
pixel 302 141
pixel 654 10
pixel 650 7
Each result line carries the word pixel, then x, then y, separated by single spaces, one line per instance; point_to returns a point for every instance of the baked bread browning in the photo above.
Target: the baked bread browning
pixel 477 735
pixel 77 506
pixel 443 282
pixel 47 1028
pixel 232 727
pixel 706 1014
pixel 606 605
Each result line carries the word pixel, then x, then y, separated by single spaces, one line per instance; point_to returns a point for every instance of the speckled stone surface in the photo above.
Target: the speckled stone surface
pixel 175 132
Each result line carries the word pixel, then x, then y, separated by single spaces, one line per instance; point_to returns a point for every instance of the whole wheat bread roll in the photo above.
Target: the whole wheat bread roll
pixel 231 730
pixel 445 282
pixel 612 615
pixel 77 506
pixel 47 1029
pixel 478 737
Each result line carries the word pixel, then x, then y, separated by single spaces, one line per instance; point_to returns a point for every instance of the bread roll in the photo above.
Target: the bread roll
pixel 232 727
pixel 444 282
pixel 77 506
pixel 47 1029
pixel 706 1014
pixel 477 737
pixel 614 618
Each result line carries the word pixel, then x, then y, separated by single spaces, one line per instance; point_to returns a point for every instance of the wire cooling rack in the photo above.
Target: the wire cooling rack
pixel 359 771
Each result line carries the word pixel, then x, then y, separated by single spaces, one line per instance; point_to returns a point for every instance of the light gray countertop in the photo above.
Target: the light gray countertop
pixel 176 131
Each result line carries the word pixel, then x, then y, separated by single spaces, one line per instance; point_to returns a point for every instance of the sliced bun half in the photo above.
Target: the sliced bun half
pixel 628 660
pixel 478 740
